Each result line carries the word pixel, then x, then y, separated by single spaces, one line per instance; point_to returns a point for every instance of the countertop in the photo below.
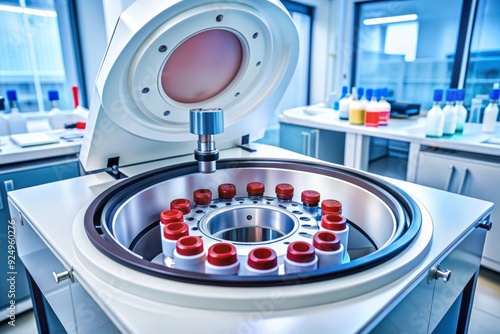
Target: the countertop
pixel 68 143
pixel 410 130
pixel 59 233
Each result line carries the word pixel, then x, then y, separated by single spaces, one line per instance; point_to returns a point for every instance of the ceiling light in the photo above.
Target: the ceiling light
pixel 29 11
pixel 390 19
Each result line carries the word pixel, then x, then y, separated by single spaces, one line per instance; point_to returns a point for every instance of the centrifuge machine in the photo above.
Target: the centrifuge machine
pixel 184 225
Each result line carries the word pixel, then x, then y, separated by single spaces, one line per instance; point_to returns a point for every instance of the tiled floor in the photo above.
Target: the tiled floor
pixel 486 312
pixel 485 315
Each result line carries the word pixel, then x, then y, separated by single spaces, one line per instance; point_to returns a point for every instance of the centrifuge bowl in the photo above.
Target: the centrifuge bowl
pixel 123 221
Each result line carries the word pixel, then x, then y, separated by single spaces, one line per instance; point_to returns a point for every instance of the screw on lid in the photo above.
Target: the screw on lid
pixel 226 191
pixel 255 189
pixel 53 95
pixel 171 216
pixel 300 251
pixel 310 197
pixel 12 95
pixel 222 254
pixel 438 95
pixel 202 196
pixel 326 241
pixel 331 206
pixel 450 95
pixel 181 204
pixel 175 231
pixel 495 94
pixel 333 222
pixel 284 191
pixel 189 245
pixel 262 258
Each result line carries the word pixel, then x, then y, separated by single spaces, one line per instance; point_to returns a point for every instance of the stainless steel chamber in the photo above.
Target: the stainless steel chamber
pixel 123 221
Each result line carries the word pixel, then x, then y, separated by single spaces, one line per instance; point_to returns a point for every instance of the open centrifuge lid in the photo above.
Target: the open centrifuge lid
pixel 167 57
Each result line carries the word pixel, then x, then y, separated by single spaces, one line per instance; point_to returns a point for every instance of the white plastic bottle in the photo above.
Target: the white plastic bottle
pixel 356 109
pixel 4 125
pixel 461 110
pixel 491 112
pixel 475 110
pixel 435 117
pixel 344 104
pixel 384 107
pixel 450 113
pixel 16 122
pixel 57 119
pixel 371 110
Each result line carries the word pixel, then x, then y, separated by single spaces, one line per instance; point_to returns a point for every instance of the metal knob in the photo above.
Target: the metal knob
pixel 437 273
pixel 206 123
pixel 58 277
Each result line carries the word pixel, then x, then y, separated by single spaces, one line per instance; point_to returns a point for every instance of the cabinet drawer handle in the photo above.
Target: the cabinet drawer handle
pixel 58 277
pixel 448 180
pixel 462 182
pixel 306 143
pixel 436 273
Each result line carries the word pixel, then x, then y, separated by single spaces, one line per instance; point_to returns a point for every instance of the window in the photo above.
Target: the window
pixel 483 70
pixel 32 58
pixel 407 46
pixel 447 54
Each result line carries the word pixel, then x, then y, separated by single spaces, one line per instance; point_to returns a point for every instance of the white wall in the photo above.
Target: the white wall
pixel 93 40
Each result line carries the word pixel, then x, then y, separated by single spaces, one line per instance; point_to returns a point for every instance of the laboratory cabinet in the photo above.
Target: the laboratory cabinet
pixel 317 143
pixel 441 302
pixel 474 175
pixel 18 176
pixel 61 304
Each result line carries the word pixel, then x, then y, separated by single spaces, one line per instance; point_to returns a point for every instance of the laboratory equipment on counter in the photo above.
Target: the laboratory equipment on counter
pixel 475 110
pixel 404 109
pixel 491 112
pixel 357 108
pixel 450 113
pixel 16 122
pixel 384 107
pixel 4 126
pixel 461 110
pixel 344 105
pixel 435 116
pixel 371 110
pixel 105 247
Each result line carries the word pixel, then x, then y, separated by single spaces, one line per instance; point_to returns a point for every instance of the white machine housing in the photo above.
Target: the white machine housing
pixel 189 43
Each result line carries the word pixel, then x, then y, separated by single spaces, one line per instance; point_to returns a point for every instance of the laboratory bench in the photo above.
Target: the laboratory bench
pixel 466 163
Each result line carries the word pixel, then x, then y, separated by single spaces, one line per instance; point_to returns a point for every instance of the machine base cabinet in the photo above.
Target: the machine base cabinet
pixel 18 177
pixel 60 303
pixel 470 175
pixel 320 144
pixel 442 301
